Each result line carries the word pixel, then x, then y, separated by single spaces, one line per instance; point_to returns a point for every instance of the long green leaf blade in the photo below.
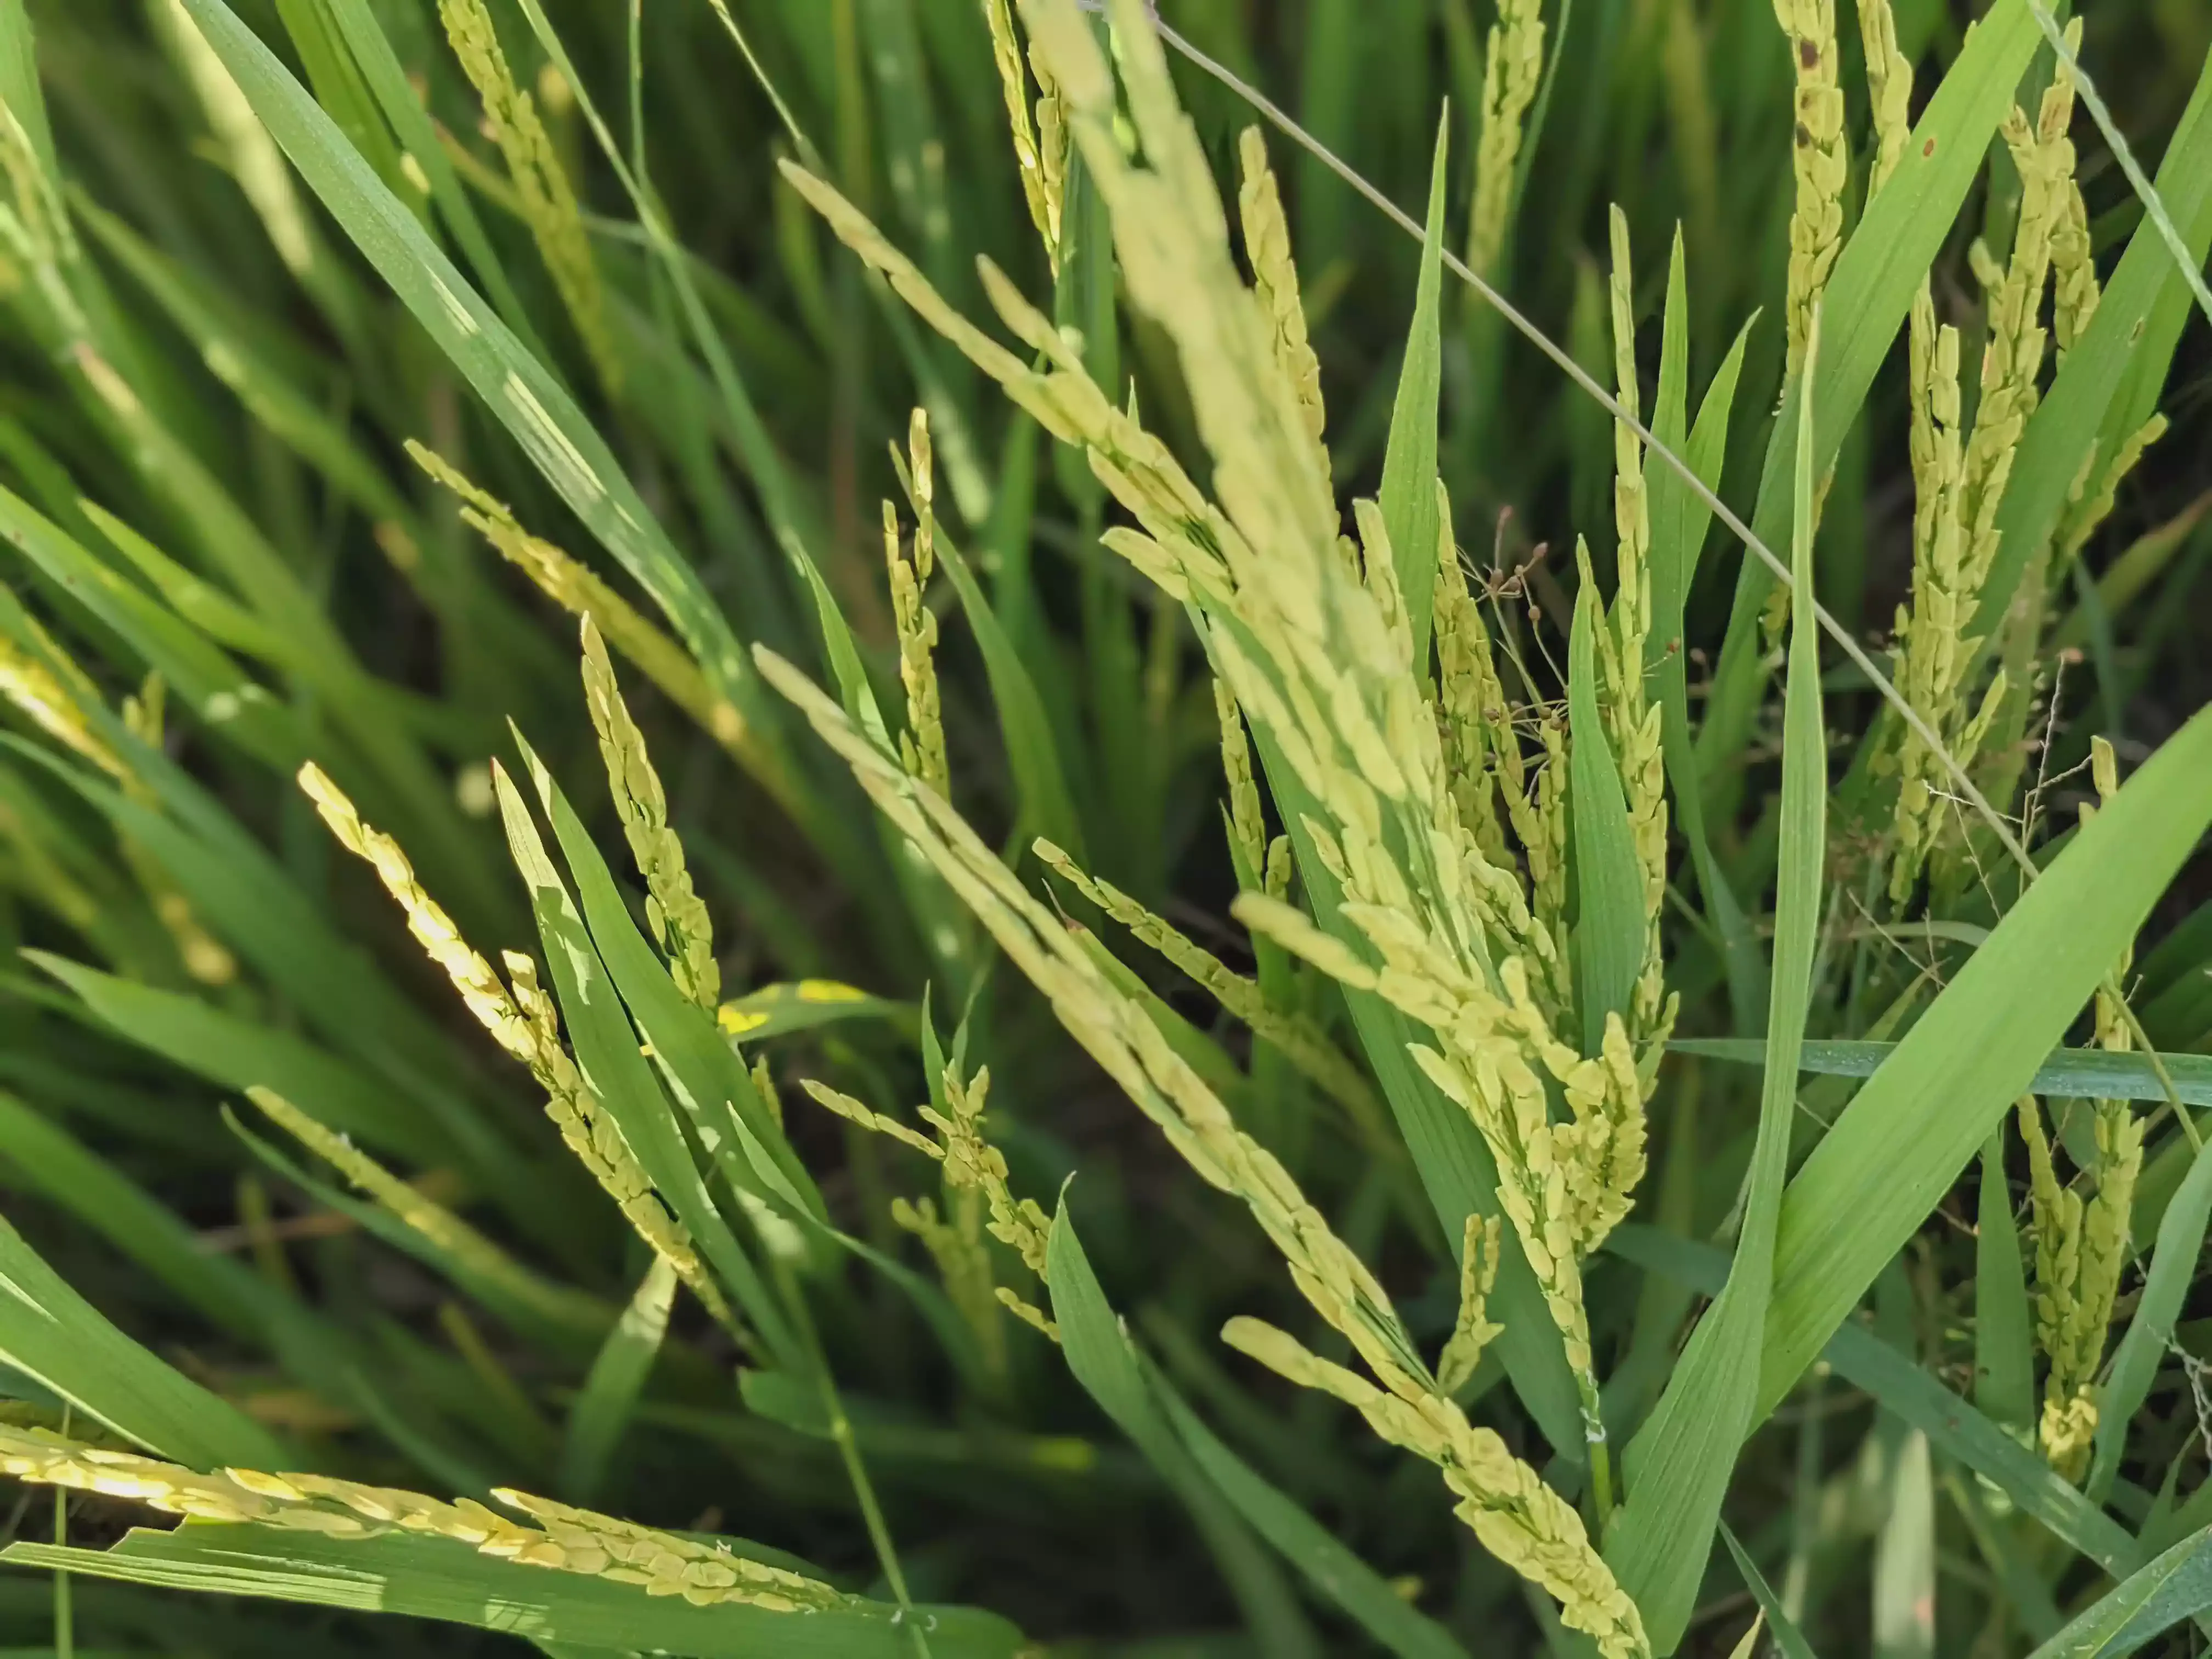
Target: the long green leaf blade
pixel 1678 1468
pixel 1409 464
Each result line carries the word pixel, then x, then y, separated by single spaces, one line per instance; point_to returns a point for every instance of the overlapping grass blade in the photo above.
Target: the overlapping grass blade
pixel 1852 1205
pixel 702 1070
pixel 2080 1073
pixel 442 1579
pixel 547 1308
pixel 1680 524
pixel 1953 1427
pixel 54 1336
pixel 607 1051
pixel 46 1157
pixel 604 1406
pixel 1678 1466
pixel 515 387
pixel 1105 1361
pixel 2150 1600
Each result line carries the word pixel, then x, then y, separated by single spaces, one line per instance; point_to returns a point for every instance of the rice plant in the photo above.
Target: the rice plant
pixel 969 828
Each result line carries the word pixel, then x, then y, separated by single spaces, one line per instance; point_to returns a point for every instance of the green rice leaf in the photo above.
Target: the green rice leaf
pixel 2004 1361
pixel 1408 499
pixel 1610 934
pixel 2080 1073
pixel 57 1339
pixel 45 1157
pixel 1787 1636
pixel 1951 1424
pixel 1678 1466
pixel 1104 1360
pixel 603 1407
pixel 1364 1595
pixel 229 702
pixel 1853 1204
pixel 518 389
pixel 18 81
pixel 387 79
pixel 440 1578
pixel 234 1051
pixel 2152 1599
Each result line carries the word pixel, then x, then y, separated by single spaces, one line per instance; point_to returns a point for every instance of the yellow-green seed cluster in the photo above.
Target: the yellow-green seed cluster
pixel 2082 1246
pixel 1117 1033
pixel 1889 87
pixel 1519 1519
pixel 1041 142
pixel 922 742
pixel 1262 865
pixel 673 908
pixel 1820 161
pixel 1959 475
pixel 1275 281
pixel 527 1025
pixel 565 1539
pixel 1472 1330
pixel 975 1177
pixel 580 592
pixel 548 200
pixel 1632 718
pixel 1512 69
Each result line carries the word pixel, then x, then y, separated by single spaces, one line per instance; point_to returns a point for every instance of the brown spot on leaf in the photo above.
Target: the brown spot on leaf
pixel 1804 136
pixel 1928 149
pixel 1808 54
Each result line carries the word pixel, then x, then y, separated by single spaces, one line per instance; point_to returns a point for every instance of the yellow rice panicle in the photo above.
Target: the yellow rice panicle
pixel 1819 159
pixel 526 1024
pixel 673 908
pixel 548 200
pixel 1512 69
pixel 1275 281
pixel 579 591
pixel 565 1539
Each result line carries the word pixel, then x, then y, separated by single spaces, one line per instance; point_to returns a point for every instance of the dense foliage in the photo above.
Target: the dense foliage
pixel 867 780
